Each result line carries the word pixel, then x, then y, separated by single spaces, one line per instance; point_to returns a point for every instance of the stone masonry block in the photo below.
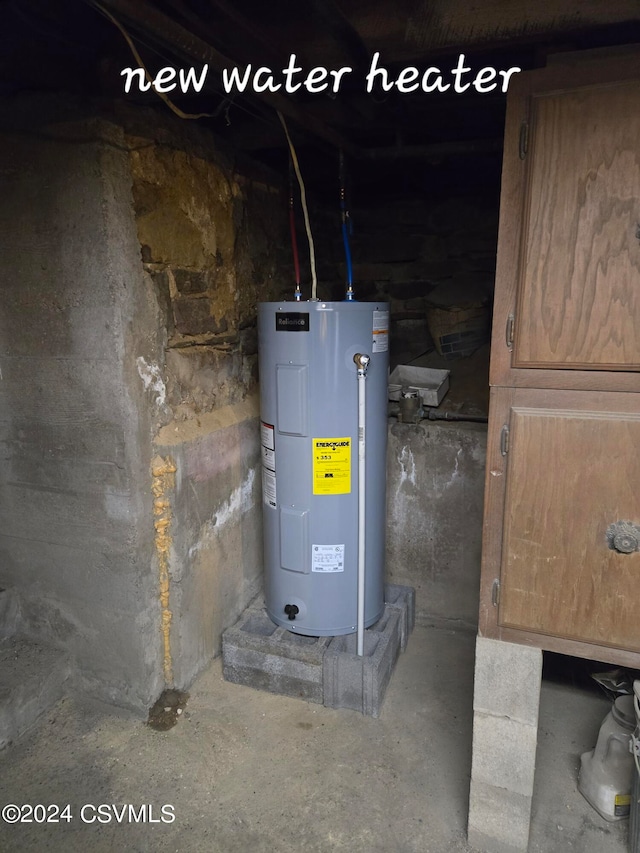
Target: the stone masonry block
pixel 498 819
pixel 507 680
pixel 192 316
pixel 402 598
pixel 504 753
pixel 359 683
pixel 191 281
pixel 258 653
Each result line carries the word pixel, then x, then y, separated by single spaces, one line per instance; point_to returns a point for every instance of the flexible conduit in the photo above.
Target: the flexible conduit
pixel 305 211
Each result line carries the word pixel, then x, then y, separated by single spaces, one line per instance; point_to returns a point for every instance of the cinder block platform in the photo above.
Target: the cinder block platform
pixel 257 653
pixel 359 683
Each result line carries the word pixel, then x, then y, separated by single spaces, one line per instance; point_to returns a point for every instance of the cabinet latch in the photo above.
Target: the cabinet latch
pixel 524 139
pixel 504 440
pixel 495 592
pixel 508 332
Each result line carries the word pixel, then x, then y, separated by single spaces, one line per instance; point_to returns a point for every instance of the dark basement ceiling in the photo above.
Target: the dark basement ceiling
pixel 394 142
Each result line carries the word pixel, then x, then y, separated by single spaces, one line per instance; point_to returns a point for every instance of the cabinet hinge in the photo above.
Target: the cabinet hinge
pixel 495 593
pixel 504 440
pixel 524 139
pixel 509 330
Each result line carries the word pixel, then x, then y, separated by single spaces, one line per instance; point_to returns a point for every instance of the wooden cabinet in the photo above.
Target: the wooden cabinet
pixel 563 471
pixel 563 467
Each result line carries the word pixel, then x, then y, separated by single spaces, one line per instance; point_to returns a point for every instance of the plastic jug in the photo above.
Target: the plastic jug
pixel 606 772
pixel 634 823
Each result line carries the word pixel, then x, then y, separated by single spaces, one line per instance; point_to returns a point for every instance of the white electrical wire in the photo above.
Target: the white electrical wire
pixel 181 114
pixel 138 59
pixel 303 198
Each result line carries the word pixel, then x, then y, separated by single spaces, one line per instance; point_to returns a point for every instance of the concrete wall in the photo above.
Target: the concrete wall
pixel 76 529
pixel 435 488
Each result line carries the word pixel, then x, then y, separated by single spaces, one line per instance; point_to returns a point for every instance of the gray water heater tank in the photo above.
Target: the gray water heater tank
pixel 309 436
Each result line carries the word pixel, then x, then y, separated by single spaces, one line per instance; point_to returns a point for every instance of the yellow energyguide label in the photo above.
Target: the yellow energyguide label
pixel 332 466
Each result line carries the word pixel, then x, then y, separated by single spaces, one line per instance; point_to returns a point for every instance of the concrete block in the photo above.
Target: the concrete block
pixel 359 683
pixel 504 753
pixel 258 653
pixel 505 731
pixel 402 598
pixel 507 680
pixel 32 678
pixel 498 819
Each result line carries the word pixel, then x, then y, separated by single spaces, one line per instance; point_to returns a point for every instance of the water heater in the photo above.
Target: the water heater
pixel 309 436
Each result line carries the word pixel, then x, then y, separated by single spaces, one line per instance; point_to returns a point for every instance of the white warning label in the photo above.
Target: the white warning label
pixel 267 440
pixel 327 558
pixel 268 458
pixel 267 433
pixel 269 487
pixel 380 331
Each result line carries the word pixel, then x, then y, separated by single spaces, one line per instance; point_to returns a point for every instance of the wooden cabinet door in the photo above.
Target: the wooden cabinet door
pixel 567 311
pixel 566 471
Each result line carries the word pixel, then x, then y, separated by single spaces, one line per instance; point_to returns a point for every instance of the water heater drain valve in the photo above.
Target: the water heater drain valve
pixel 362 362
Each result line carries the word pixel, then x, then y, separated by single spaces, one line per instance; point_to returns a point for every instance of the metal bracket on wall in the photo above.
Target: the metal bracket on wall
pixel 495 592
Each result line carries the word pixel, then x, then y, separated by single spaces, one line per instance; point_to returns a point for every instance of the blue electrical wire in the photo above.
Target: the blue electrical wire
pixel 349 296
pixel 347 252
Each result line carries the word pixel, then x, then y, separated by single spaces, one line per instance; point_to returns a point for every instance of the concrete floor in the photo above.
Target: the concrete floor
pixel 248 771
